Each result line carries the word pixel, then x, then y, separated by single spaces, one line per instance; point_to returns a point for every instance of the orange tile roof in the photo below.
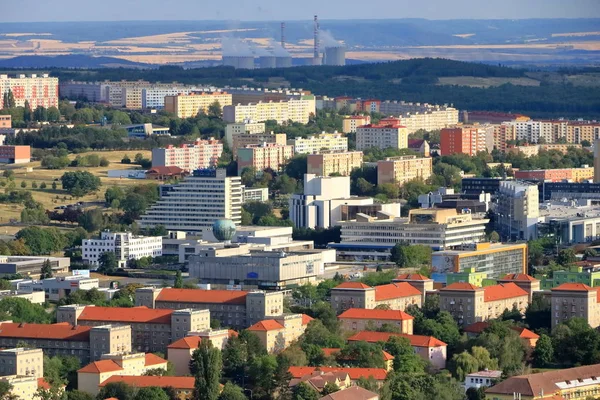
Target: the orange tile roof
pixel 502 291
pixel 126 315
pixel 518 278
pixel 355 373
pixel 189 342
pixel 43 384
pixel 479 327
pixel 153 359
pixel 363 313
pixel 415 340
pixel 266 325
pixel 525 333
pixel 412 277
pixel 233 333
pixel 352 285
pixel 460 286
pixel 331 351
pixel 176 382
pixel 395 290
pixel 202 296
pixel 306 319
pixel 45 331
pixel 101 366
pixel 574 287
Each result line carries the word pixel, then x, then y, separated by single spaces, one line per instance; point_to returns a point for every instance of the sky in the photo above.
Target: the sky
pixel 276 10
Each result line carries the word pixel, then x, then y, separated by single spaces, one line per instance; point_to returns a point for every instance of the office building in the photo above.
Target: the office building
pixel 200 155
pixel 478 204
pixel 396 296
pixel 571 300
pixel 244 127
pixel 30 266
pixel 517 210
pixel 241 140
pixel 235 308
pixel 263 156
pixel 359 319
pixel 324 200
pixel 125 245
pixel 183 386
pixel 387 133
pixel 495 260
pixel 15 154
pixel 372 238
pixel 557 175
pixel 399 170
pixel 469 304
pixel 466 139
pixel 57 288
pixel 5 122
pixel 349 124
pixel 328 163
pixel 38 90
pixel 151 330
pixel 255 194
pixel 479 185
pixel 295 110
pixel 278 333
pixel 319 143
pixel 192 104
pixel 195 203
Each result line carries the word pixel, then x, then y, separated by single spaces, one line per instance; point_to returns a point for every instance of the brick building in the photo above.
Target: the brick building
pixel 465 139
pixel 359 319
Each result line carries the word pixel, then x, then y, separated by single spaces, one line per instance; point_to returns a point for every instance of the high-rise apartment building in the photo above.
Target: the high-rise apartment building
pixel 517 211
pixel 400 170
pixel 190 105
pixel 577 132
pixel 263 156
pixel 349 124
pixel 466 139
pixel 242 140
pixel 295 110
pixel 37 90
pixel 319 143
pixel 329 163
pixel 200 155
pixel 125 245
pixel 195 203
pixel 503 134
pixel 242 127
pixel 387 133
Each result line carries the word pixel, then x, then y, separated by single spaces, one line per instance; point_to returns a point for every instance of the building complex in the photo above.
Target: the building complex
pixel 36 90
pixel 295 110
pixel 190 105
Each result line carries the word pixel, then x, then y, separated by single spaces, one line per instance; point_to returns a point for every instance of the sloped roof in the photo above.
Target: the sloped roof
pixel 162 170
pixel 574 287
pixel 306 319
pixel 126 315
pixel 415 340
pixel 525 333
pixel 202 296
pixel 355 373
pixel 266 325
pixel 351 393
pixel 518 278
pixel 176 382
pixel 412 277
pixel 43 384
pixel 153 359
pixel 460 286
pixel 63 331
pixel 331 351
pixel 479 327
pixel 395 290
pixel 363 313
pixel 189 342
pixel 502 291
pixel 352 285
pixel 101 366
pixel 412 143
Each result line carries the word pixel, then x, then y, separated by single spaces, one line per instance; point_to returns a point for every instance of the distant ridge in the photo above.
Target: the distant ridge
pixel 68 61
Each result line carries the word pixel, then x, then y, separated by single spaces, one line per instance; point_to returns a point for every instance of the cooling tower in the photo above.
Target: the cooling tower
pixel 334 56
pixel 267 62
pixel 283 62
pixel 238 62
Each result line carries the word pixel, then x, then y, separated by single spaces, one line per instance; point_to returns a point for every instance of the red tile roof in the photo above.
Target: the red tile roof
pixel 202 296
pixel 266 325
pixel 395 290
pixel 189 342
pixel 43 384
pixel 460 286
pixel 413 277
pixel 233 333
pixel 479 327
pixel 153 359
pixel 306 319
pixel 415 340
pixel 333 351
pixel 101 366
pixel 351 393
pixel 162 170
pixel 352 285
pixel 176 382
pixel 45 331
pixel 355 373
pixel 574 287
pixel 126 315
pixel 525 333
pixel 502 291
pixel 363 313
pixel 518 278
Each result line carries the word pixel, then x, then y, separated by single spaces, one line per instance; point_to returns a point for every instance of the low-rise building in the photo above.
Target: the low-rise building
pixel 31 266
pixel 179 353
pixel 263 156
pixel 319 143
pixel 378 374
pixel 469 304
pixel 335 353
pixel 399 170
pixel 189 157
pixel 528 338
pixel 33 297
pixel 15 154
pixel 317 380
pixel 571 300
pixel 125 245
pixel 480 379
pixel 420 146
pixel 396 296
pixel 360 319
pixel 352 393
pixel 53 289
pixel 182 385
pixel 557 175
pixel 278 333
pixel 327 163
pixel 589 276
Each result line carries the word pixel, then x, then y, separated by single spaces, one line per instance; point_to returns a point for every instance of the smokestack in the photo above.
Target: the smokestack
pixel 316 55
pixel 283 35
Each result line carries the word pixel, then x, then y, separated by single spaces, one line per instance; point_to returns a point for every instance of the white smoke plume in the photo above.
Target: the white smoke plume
pixel 233 47
pixel 326 40
pixel 279 51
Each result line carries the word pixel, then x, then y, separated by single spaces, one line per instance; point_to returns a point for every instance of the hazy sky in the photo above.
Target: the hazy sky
pixel 247 10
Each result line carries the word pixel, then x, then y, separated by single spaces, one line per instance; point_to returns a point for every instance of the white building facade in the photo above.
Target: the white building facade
pixel 318 143
pixel 125 245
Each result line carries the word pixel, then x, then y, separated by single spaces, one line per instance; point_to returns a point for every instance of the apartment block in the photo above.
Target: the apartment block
pixel 22 362
pixel 469 304
pixel 192 104
pixel 466 139
pixel 244 127
pixel 24 387
pixel 95 92
pixel 37 90
pixel 349 124
pixel 322 142
pixel 524 281
pixel 5 122
pixel 241 140
pixel 517 210
pixel 195 203
pixel 399 170
pixel 360 319
pixel 397 296
pixel 387 133
pixel 263 156
pixel 200 155
pixel 238 309
pixel 125 245
pixel 420 282
pixel 152 330
pixel 571 300
pixel 15 154
pixel 503 134
pixel 153 96
pixel 429 120
pixel 577 132
pixel 179 353
pixel 557 175
pixel 295 110
pixel 278 333
pixel 328 163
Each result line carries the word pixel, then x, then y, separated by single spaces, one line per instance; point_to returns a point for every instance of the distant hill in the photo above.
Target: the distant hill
pixel 69 61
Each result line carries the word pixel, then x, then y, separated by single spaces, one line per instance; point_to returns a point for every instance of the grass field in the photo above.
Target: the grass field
pixel 53 198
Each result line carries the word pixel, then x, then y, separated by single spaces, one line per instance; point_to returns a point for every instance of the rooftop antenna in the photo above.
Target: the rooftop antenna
pixel 316 55
pixel 283 35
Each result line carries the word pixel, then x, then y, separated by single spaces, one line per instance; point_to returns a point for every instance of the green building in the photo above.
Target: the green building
pixel 587 276
pixel 469 276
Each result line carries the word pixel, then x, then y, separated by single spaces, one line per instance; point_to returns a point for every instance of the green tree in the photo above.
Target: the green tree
pixel 261 372
pixel 476 393
pixel 46 270
pixel 53 114
pixel 405 359
pixel 40 114
pixel 178 280
pixel 566 257
pixel 206 365
pixel 412 256
pixel 304 392
pixel 329 388
pixel 151 393
pixel 232 391
pixel 296 167
pixel 92 220
pixel 108 262
pixel 80 183
pixel 119 390
pixel 27 112
pixel 543 354
pixel 538 313
pixel 494 237
pixel 362 355
pixel 215 110
pixel 53 185
pixel 79 395
pixel 23 184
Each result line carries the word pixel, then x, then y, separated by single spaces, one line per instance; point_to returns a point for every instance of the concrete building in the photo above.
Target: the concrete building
pixel 372 238
pixel 143 131
pixel 397 296
pixel 24 387
pixel 30 266
pixel 466 139
pixel 517 210
pixel 469 304
pixel 151 330
pixel 200 155
pixel 153 97
pixel 238 128
pixel 495 260
pixel 241 140
pixel 57 288
pixel 137 364
pixel 349 124
pixel 15 154
pixel 584 173
pixel 524 281
pixel 5 122
pixel 571 300
pixel 179 353
pixel 39 90
pixel 190 105
pixel 235 308
pixel 263 156
pixel 319 143
pixel 503 135
pixel 278 333
pixel 480 379
pixel 323 200
pixel 34 297
pixel 94 92
pixel 387 133
pixel 360 319
pixel 255 194
pixel 195 203
pixel 125 245
pixel 588 275
pixel 182 385
pixel 295 110
pixel 577 131
pixel 420 282
pixel 328 163
pixel 22 362
pixel 399 170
